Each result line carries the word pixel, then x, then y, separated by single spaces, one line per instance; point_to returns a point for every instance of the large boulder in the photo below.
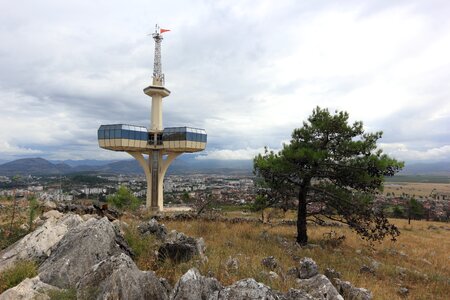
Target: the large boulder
pixel 32 288
pixel 249 289
pixel 81 248
pixel 319 287
pixel 154 228
pixel 193 286
pixel 179 247
pixel 39 244
pixel 118 277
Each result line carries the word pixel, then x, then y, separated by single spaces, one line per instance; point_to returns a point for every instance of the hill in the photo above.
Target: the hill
pixel 184 164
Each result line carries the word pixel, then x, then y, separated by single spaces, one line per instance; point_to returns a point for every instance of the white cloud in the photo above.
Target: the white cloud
pixel 225 154
pixel 246 73
pixel 403 152
pixel 11 150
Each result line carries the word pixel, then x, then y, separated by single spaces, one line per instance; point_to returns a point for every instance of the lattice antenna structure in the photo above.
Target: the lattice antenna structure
pixel 158 76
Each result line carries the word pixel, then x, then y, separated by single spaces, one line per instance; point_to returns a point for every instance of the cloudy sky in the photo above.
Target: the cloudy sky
pixel 246 71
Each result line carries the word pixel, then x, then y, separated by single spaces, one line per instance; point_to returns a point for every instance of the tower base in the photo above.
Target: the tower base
pixel 155 168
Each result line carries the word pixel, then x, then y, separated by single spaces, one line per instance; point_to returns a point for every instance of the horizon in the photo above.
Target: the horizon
pixel 248 75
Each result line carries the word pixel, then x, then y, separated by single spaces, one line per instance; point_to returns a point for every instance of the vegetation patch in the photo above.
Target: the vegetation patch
pixel 14 275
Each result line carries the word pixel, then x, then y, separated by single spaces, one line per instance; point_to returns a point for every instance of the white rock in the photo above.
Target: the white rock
pixel 32 288
pixel 38 244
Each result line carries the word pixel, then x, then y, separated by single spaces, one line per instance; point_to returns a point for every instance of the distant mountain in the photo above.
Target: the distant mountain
pixel 436 168
pixel 184 164
pixel 37 166
pixel 83 162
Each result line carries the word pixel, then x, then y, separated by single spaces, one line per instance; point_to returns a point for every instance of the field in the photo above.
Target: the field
pixel 419 260
pixel 416 188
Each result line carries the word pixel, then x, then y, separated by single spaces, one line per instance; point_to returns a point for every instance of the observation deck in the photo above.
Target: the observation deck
pixel 123 137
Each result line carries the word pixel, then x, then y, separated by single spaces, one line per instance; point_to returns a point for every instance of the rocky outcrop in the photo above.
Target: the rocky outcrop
pixel 118 277
pixel 319 287
pixel 154 228
pixel 179 247
pixel 39 244
pixel 349 292
pixel 92 258
pixel 100 210
pixel 32 288
pixel 81 248
pixel 248 289
pixel 193 286
pixel 307 268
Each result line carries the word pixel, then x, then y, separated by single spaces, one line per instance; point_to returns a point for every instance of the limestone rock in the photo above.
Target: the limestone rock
pixel 49 204
pixel 294 294
pixel 349 292
pixel 292 272
pixel 307 268
pixel 332 274
pixel 118 277
pixel 153 227
pixel 81 248
pixel 192 286
pixel 232 264
pixel 52 214
pixel 319 287
pixel 120 226
pixel 367 269
pixel 32 288
pixel 403 291
pixel 248 289
pixel 39 244
pixel 269 262
pixel 179 247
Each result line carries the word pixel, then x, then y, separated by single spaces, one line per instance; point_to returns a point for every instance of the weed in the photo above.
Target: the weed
pixel 69 294
pixel 15 274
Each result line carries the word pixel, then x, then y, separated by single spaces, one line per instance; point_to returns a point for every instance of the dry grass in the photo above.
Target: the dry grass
pixel 423 252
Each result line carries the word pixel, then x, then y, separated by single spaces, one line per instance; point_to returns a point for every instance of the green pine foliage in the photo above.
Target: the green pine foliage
pixel 334 165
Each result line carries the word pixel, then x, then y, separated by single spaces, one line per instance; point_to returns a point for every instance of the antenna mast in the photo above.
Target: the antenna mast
pixel 158 76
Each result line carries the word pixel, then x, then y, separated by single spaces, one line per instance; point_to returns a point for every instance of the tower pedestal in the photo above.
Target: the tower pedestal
pixel 155 168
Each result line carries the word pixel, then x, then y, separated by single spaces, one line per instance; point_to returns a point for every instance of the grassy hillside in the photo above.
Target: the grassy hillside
pixel 419 260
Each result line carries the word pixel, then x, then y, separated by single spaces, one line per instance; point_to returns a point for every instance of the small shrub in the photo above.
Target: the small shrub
pixel 331 239
pixel 14 275
pixel 10 236
pixel 144 248
pixel 124 199
pixel 70 294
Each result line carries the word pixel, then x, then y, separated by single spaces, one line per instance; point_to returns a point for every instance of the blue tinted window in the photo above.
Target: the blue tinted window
pixel 143 136
pixel 101 134
pixel 125 134
pixel 106 134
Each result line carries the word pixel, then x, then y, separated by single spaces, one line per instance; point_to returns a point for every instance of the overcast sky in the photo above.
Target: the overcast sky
pixel 246 71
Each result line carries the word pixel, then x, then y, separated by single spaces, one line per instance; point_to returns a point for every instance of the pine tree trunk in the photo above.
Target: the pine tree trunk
pixel 302 236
